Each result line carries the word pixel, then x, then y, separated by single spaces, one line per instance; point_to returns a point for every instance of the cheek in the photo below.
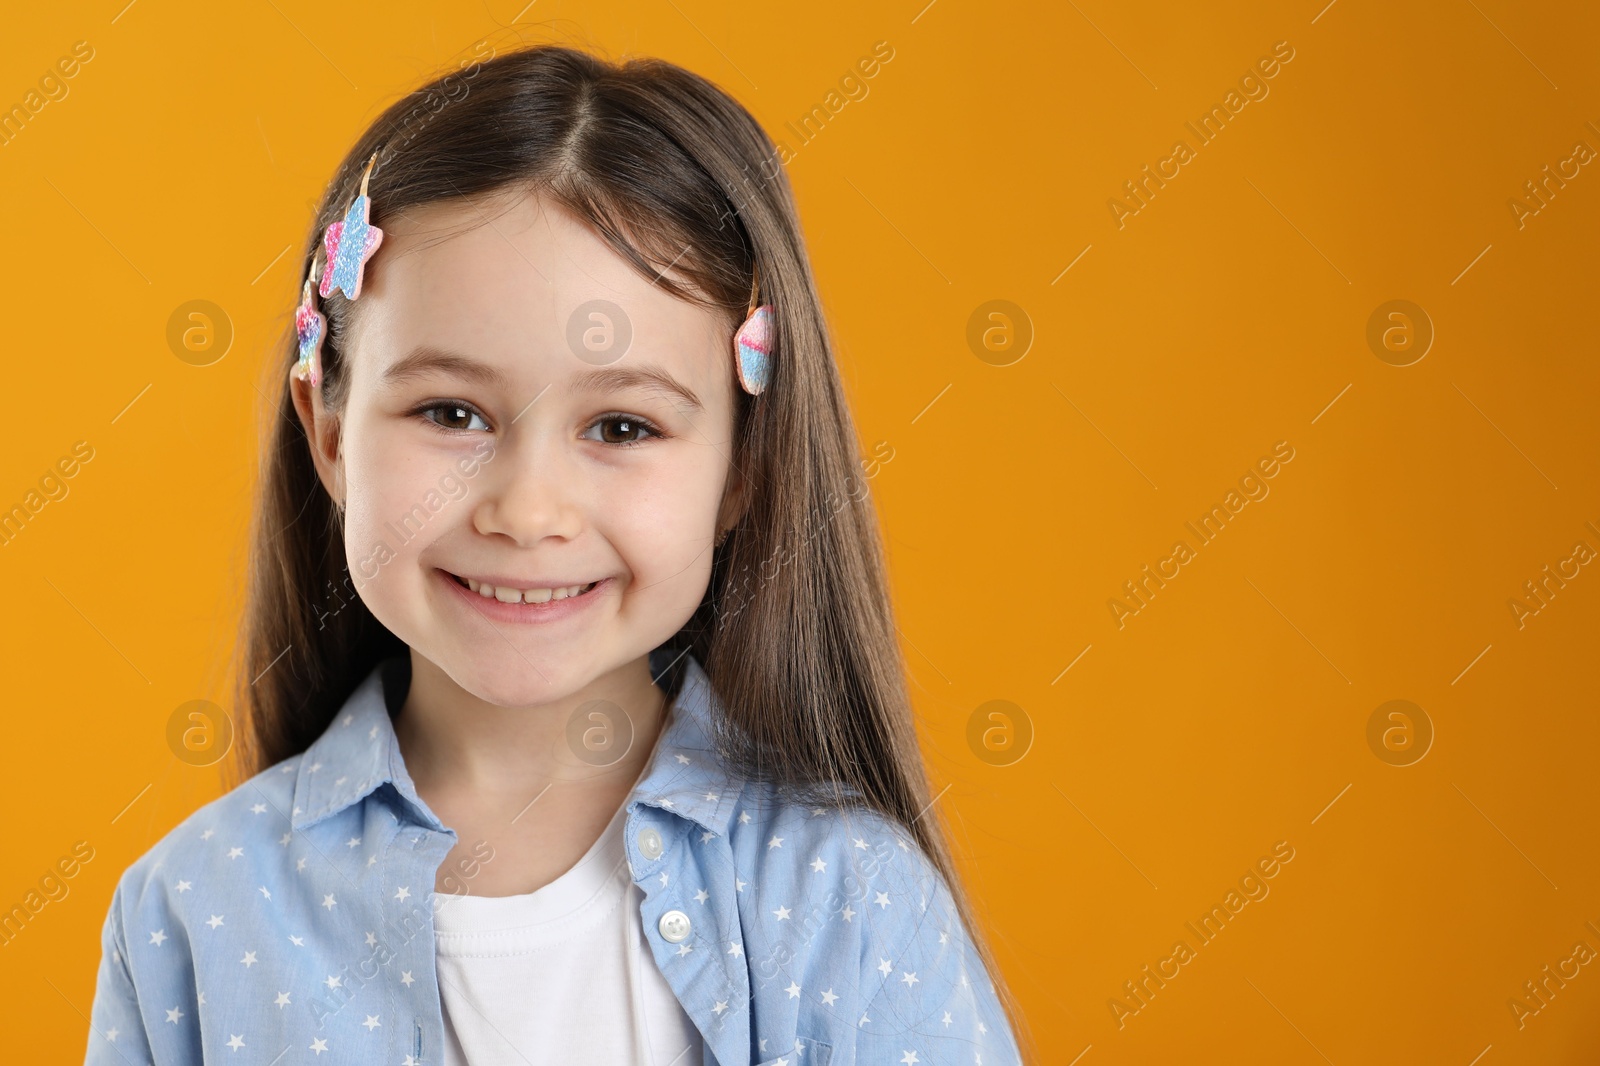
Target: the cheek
pixel 389 511
pixel 664 531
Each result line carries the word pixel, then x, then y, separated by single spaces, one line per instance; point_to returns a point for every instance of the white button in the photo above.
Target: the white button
pixel 650 844
pixel 674 925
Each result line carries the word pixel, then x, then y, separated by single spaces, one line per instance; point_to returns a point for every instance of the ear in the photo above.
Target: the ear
pixel 322 433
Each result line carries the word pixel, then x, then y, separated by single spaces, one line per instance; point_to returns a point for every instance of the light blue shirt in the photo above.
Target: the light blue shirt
pixel 291 920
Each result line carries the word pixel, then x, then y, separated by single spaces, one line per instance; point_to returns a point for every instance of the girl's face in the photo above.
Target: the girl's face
pixel 527 412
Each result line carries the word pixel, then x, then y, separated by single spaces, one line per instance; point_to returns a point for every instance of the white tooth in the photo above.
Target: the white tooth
pixel 472 583
pixel 486 590
pixel 537 595
pixel 558 594
pixel 508 595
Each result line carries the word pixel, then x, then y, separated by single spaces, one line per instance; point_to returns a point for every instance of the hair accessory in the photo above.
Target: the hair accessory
pixel 310 325
pixel 350 242
pixel 752 344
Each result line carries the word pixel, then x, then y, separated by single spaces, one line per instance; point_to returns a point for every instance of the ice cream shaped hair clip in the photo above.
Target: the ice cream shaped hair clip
pixel 350 242
pixel 310 326
pixel 752 344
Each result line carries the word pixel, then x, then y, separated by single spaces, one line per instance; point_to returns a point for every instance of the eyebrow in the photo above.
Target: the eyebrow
pixel 425 359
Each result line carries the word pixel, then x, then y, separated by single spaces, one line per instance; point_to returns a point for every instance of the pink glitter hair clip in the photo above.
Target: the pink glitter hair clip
pixel 752 343
pixel 310 326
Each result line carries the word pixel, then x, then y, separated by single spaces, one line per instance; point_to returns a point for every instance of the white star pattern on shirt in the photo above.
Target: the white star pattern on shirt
pixel 259 808
pixel 819 864
pixel 329 902
pixel 319 1045
pixel 236 1041
pixel 184 886
pixel 214 921
pixel 775 842
pixel 234 853
pixel 371 1023
pixel 402 894
pixel 406 978
pixel 881 899
pixel 173 1015
pixel 249 959
pixel 282 1001
pixel 828 997
pixel 793 990
pixel 782 914
pixel 158 937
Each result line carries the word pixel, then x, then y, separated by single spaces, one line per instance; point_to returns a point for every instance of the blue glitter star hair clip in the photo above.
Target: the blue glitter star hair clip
pixel 752 344
pixel 350 242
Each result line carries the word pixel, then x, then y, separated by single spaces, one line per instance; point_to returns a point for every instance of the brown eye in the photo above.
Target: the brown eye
pixel 452 416
pixel 623 430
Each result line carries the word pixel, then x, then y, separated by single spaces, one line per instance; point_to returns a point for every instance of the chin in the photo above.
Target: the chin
pixel 512 681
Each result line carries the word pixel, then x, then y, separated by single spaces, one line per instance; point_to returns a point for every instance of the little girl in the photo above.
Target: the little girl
pixel 574 725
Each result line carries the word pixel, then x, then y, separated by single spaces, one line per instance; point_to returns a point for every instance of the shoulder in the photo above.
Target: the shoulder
pixel 227 840
pixel 844 912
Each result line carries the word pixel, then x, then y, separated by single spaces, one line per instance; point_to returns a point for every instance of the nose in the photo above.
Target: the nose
pixel 532 489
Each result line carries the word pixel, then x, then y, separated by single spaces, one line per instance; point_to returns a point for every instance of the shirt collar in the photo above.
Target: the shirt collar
pixel 359 752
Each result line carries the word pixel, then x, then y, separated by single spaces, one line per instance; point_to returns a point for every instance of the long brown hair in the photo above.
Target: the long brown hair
pixel 796 633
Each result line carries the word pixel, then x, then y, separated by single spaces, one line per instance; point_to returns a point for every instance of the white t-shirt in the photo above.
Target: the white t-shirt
pixel 559 975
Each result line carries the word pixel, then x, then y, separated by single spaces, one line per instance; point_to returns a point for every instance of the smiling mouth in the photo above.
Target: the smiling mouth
pixel 511 595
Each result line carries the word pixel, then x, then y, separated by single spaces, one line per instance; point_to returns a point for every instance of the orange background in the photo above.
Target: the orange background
pixel 1228 314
